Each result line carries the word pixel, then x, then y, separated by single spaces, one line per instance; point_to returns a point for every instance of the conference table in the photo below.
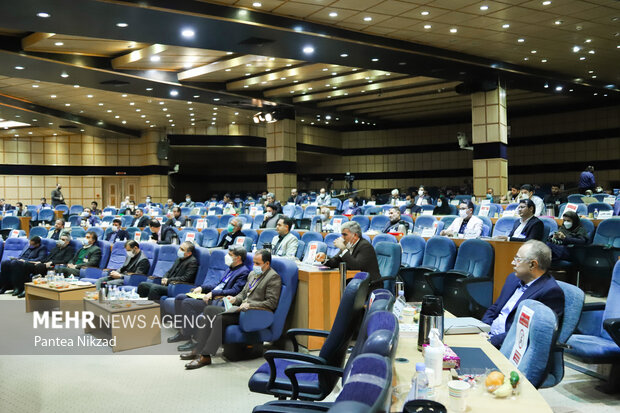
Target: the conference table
pixel 478 400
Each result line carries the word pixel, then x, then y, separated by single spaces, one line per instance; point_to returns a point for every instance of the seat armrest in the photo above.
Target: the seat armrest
pixel 271 355
pixel 480 291
pixel 474 280
pixel 294 332
pixel 292 372
pixel 91 272
pixel 612 326
pixel 598 306
pixel 255 320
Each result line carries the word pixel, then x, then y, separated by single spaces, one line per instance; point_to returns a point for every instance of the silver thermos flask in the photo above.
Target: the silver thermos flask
pixel 431 316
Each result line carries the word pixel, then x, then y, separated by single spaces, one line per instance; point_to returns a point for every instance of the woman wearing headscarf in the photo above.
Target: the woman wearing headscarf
pixel 570 233
pixel 443 206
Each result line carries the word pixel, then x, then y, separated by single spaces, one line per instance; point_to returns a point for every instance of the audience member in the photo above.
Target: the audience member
pixel 528 226
pixel 420 199
pixel 125 203
pixel 43 204
pixel 271 217
pixel 140 219
pixel 88 219
pixel 271 200
pixel 234 230
pixel 57 197
pixel 295 198
pixel 394 197
pixel 188 202
pixel 34 252
pixel 285 243
pixel 529 281
pixel 555 199
pixel 168 206
pixel 21 210
pixel 4 207
pixel 94 208
pixel 116 233
pixel 357 252
pixel 59 255
pixel 87 256
pixel 131 208
pixel 324 198
pixel 58 228
pixel 588 197
pixel 443 206
pixel 162 235
pixel 527 192
pixel 513 195
pixel 490 195
pixel 467 224
pixel 262 291
pixel 231 283
pixel 586 180
pixel 135 263
pixel 570 233
pixel 148 202
pixel 178 220
pixel 183 271
pixel 352 208
pixel 396 224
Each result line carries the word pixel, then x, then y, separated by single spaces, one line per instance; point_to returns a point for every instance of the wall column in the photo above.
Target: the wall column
pixel 490 139
pixel 281 158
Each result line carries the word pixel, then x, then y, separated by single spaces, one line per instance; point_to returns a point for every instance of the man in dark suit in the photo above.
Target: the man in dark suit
pixel 295 198
pixel 178 220
pixel 140 219
pixel 135 263
pixel 183 271
pixel 4 206
pixel 396 224
pixel 34 252
pixel 528 226
pixel 355 251
pixel 529 281
pixel 117 233
pixel 87 256
pixel 57 197
pixel 58 229
pixel 161 235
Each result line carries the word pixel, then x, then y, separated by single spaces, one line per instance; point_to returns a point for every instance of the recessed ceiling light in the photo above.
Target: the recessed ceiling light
pixel 558 22
pixel 227 70
pixel 109 111
pixel 59 44
pixel 124 122
pixel 257 4
pixel 593 76
pixel 76 86
pixel 43 15
pixel 196 96
pixel 427 26
pixel 546 85
pixel 174 93
pixel 67 104
pixel 116 116
pixel 546 3
pixel 526 58
pixel 484 7
pixel 367 18
pixel 333 14
pixel 588 41
pixel 35 85
pixel 582 58
pixel 533 52
pixel 19 67
pixel 165 109
pixel 155 58
pixel 505 26
pixel 53 96
pixel 544 60
pixel 558 88
pixel 308 49
pixel 425 13
pixel 216 100
pixel 591 52
pixel 188 33
pixel 148 89
pixel 65 75
pixel 453 30
pixel 520 40
pixel 576 49
pixel 344 55
pixel 100 104
pixel 374 59
pixel 122 25
pixel 229 53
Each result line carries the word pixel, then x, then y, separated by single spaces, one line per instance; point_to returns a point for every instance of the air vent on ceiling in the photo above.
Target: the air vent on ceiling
pixel 114 82
pixel 255 41
pixel 68 127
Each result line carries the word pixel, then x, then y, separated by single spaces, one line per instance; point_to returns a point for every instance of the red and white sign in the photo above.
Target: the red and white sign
pixel 137 235
pixel 571 207
pixel 522 336
pixel 239 241
pixel 200 223
pixel 484 210
pixel 312 253
pixel 191 237
pixel 336 223
pixel 14 234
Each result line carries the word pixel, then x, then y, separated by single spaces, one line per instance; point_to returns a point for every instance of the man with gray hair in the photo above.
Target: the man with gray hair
pixel 234 231
pixel 355 251
pixel 530 280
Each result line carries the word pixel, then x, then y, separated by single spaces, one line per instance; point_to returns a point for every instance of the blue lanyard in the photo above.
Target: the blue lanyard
pixel 254 283
pixel 226 278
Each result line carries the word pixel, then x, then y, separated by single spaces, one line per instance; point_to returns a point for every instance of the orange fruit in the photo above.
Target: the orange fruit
pixel 494 380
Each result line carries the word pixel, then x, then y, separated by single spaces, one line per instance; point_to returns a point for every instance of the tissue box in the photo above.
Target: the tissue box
pixel 450 359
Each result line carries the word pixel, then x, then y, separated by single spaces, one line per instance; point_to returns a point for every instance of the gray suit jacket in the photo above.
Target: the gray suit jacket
pixel 288 246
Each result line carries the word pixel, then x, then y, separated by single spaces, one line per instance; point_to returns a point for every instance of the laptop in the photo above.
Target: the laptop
pixel 464 325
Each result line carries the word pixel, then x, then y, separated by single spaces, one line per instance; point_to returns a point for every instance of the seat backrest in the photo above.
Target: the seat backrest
pixel 151 251
pixel 61 207
pixel 447 220
pixel 11 222
pixel 413 250
pixel 312 236
pixel 109 218
pixel 266 236
pixel 575 198
pixel 377 318
pixel 106 249
pixel 287 270
pixel 383 238
pixel 212 221
pixel 197 235
pixel 46 214
pixel 600 206
pixel 76 209
pixel 13 247
pixel 252 234
pixel 503 226
pixel 424 221
pixel 258 220
pixel 111 210
pixel 320 247
pixel 486 221
pixel 363 220
pixel 203 257
pixel 511 207
pixel 375 210
pixel 117 256
pixel 440 253
pixel 543 327
pixel 588 226
pixel 329 241
pixel 49 244
pixel 299 212
pixel 379 222
pixel 336 202
pixel 550 226
pixel 366 387
pixel 612 307
pixel 288 210
pixel 608 233
pixel 348 318
pixel 582 209
pixel 301 248
pixel 165 259
pixel 78 232
pixel 388 256
pixel 39 232
pixel 217 267
pixel 223 222
pixel 126 220
pixel 96 230
pixel 475 257
pixel 309 212
pixel 209 237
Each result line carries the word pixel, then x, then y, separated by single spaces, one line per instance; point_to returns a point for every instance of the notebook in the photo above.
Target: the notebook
pixel 464 325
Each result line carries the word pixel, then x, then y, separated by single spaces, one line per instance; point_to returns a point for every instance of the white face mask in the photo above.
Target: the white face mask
pixel 188 199
pixel 148 200
pixel 257 269
pixel 420 193
pixel 568 224
pixel 268 214
pixel 131 254
pixel 439 203
pixel 228 260
pixel 462 213
pixel 525 196
pixel 180 254
pixel 115 229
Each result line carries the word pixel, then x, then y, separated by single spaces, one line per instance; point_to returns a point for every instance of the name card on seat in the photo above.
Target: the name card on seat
pixel 246 226
pixel 454 202
pixel 211 212
pixel 14 234
pixel 510 213
pixel 137 235
pixel 430 231
pixel 253 211
pixel 427 212
pixel 200 223
pixel 484 210
pixel 611 200
pixel 605 214
pixel 310 258
pixel 191 237
pixel 336 224
pixel 571 207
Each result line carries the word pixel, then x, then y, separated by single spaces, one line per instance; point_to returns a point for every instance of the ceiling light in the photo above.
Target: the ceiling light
pixel 53 96
pixel 67 104
pixel 427 26
pixel 148 89
pixel 544 60
pixel 505 26
pixel 588 41
pixel 43 15
pixel 533 52
pixel 558 22
pixel 593 76
pixel 19 67
pixel 174 93
pixel 121 25
pixel 591 52
pixel 116 116
pixel 124 122
pixel 425 13
pixel 65 75
pixel 109 111
pixel 453 30
pixel 558 88
pixel 582 58
pixel 576 49
pixel 344 55
pixel 165 109
pixel 333 14
pixel 155 58
pixel 374 59
pixel 520 40
pixel 229 53
pixel 308 49
pixel 35 85
pixel 546 3
pixel 367 18
pixel 188 33
pixel 227 70
pixel 526 58
pixel 59 44
pixel 76 86
pixel 12 124
pixel 484 7
pixel 257 4
pixel 100 104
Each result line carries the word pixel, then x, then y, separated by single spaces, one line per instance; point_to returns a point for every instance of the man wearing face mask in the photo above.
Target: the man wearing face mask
pixel 43 204
pixel 352 208
pixel 555 199
pixel 168 207
pixel 87 256
pixel 420 199
pixel 188 202
pixel 285 243
pixel 57 197
pixel 271 217
pixel 490 195
pixel 528 226
pixel 148 202
pixel 530 280
pixel 229 284
pixel 55 232
pixel 261 291
pixel 178 220
pixel 396 224
pixel 324 198
pixel 116 233
pixel 140 219
pixel 466 224
pixel 354 250
pixel 183 271
pixel 89 220
pixel 60 254
pixel 135 263
pixel 324 218
pixel 527 192
pixel 234 231
pixel 34 252
pixel 162 235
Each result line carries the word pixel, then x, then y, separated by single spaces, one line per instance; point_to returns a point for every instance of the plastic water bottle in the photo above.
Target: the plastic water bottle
pixel 419 383
pixel 595 213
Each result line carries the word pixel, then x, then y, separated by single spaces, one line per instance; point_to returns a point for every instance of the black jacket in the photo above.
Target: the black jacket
pixel 57 198
pixel 121 235
pixel 140 222
pixel 183 271
pixel 92 259
pixel 389 227
pixel 229 239
pixel 138 264
pixel 55 234
pixel 166 235
pixel 183 221
pixel 362 258
pixel 534 229
pixel 35 254
pixel 60 255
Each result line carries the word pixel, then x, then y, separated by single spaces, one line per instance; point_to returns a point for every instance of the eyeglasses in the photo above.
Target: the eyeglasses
pixel 519 260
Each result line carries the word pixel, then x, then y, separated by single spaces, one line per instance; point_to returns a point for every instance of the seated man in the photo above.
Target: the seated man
pixel 148 202
pixel 395 197
pixel 527 192
pixel 87 256
pixel 5 207
pixel 34 252
pixel 490 194
pixel 528 226
pixel 125 203
pixel 262 291
pixel 88 219
pixel 271 200
pixel 168 206
pixel 188 202
pixel 322 223
pixel 43 204
pixel 21 210
pixel 555 199
pixel 354 250
pixel 467 224
pixel 230 284
pixel 234 231
pixel 178 220
pixel 140 219
pixel 59 255
pixel 130 208
pixel 271 217
pixel 324 198
pixel 295 198
pixel 396 224
pixel 352 208
pixel 183 271
pixel 58 228
pixel 284 244
pixel 529 281
pixel 162 235
pixel 117 233
pixel 135 263
pixel 420 199
pixel 94 208
pixel 512 195
pixel 228 205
